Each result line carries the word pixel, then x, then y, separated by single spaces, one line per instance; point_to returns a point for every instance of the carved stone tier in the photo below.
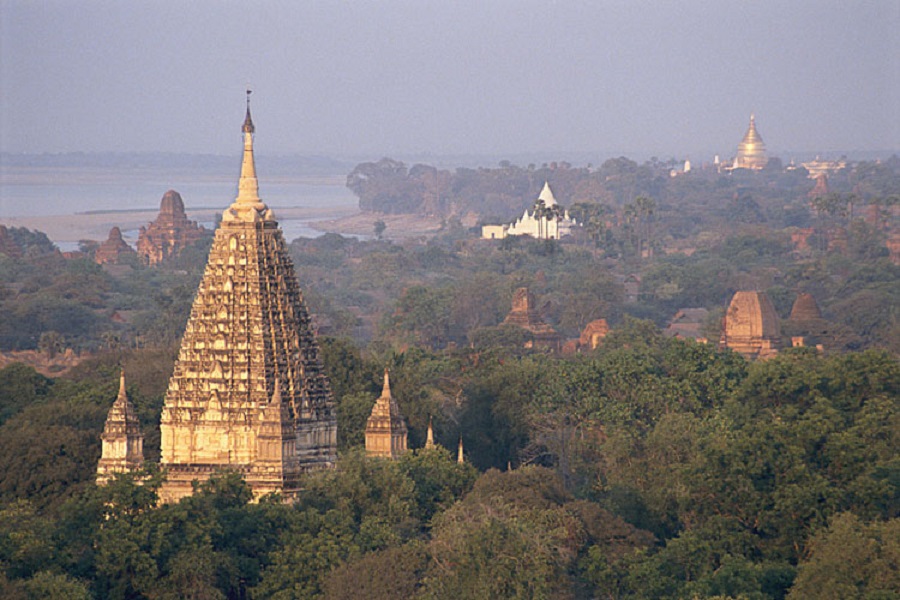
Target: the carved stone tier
pixel 122 439
pixel 751 326
pixel 248 391
pixel 805 308
pixel 386 433
pixel 170 233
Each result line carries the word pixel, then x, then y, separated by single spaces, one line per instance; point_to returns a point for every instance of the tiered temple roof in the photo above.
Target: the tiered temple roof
pixel 805 308
pixel 170 233
pixel 806 326
pixel 525 314
pixel 113 249
pixel 751 325
pixel 249 392
pixel 122 439
pixel 386 433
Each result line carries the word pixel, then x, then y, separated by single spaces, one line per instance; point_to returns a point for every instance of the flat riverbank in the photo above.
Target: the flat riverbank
pixel 68 230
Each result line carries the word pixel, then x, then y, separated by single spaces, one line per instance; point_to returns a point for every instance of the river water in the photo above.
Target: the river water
pixel 28 194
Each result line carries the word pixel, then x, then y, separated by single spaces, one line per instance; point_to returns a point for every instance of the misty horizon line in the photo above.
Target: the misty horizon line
pixel 577 159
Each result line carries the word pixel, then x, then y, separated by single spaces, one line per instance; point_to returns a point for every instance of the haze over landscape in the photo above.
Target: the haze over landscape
pixel 417 78
pixel 461 305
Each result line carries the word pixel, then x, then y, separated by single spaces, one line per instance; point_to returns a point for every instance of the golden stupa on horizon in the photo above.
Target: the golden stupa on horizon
pixel 751 152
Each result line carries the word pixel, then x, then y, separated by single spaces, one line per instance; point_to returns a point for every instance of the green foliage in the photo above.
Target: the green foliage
pixel 518 535
pixel 851 559
pixel 20 387
pixel 387 574
pixel 379 228
pixel 52 585
pixel 439 480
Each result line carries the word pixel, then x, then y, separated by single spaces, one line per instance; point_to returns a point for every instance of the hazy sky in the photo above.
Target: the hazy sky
pixel 449 77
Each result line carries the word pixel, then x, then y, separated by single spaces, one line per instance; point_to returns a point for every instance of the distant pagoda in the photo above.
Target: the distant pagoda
pixel 525 314
pixel 751 326
pixel 248 393
pixel 170 233
pixel 751 152
pixel 386 432
pixel 113 249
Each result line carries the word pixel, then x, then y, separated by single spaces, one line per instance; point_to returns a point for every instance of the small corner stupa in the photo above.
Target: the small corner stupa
pixel 751 152
pixel 122 439
pixel 751 326
pixel 386 432
pixel 248 393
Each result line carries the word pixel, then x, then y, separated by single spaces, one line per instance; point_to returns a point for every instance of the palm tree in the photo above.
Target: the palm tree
pixel 644 207
pixel 554 213
pixel 540 210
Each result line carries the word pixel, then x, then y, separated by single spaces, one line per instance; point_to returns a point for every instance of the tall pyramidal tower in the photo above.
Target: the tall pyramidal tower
pixel 248 393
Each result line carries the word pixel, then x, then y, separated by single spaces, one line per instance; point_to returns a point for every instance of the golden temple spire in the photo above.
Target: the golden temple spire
pixel 752 136
pixel 248 187
pixel 460 458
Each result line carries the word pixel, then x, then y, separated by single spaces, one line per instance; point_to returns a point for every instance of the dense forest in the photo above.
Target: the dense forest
pixel 649 467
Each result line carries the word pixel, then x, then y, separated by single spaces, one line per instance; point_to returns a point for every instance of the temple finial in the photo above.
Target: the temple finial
pixel 429 437
pixel 386 389
pixel 248 121
pixel 460 458
pixel 122 384
pixel 248 186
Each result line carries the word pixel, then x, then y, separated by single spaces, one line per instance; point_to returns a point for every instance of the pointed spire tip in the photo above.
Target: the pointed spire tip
pixel 386 389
